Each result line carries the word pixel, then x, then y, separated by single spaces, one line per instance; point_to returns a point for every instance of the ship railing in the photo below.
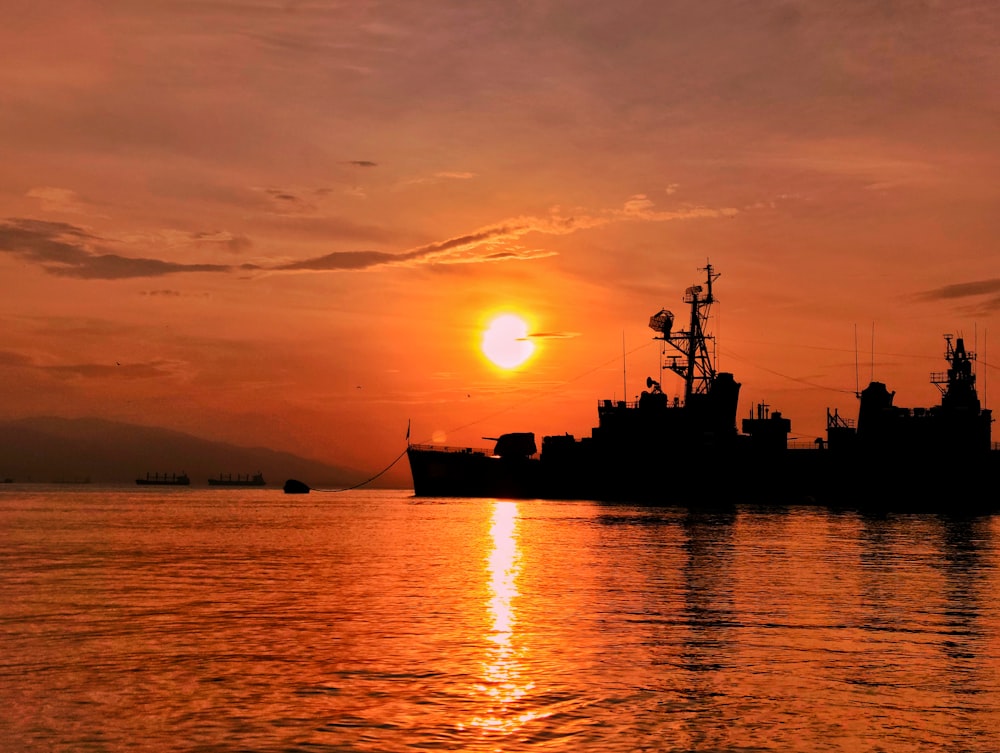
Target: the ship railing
pixel 612 404
pixel 459 450
pixel 606 405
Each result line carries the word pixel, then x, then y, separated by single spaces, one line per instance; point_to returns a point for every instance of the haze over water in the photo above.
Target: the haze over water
pixel 248 620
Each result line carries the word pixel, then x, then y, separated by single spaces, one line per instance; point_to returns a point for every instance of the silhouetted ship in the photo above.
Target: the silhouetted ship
pixel 241 480
pixel 688 451
pixel 164 479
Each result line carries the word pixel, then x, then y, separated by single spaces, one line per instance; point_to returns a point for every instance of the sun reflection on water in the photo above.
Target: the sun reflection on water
pixel 503 688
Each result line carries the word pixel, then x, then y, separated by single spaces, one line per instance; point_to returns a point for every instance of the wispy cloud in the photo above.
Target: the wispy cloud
pixel 282 196
pixel 10 358
pixel 342 260
pixel 54 199
pixel 117 370
pixel 501 242
pixel 641 207
pixel 435 178
pixel 221 238
pixel 552 335
pixel 109 369
pixel 67 250
pixel 982 296
pixel 961 290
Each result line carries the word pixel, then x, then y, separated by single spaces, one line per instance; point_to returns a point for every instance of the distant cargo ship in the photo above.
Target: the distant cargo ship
pixel 164 479
pixel 256 479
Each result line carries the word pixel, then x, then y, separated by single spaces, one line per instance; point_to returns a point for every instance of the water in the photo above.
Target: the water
pixel 248 620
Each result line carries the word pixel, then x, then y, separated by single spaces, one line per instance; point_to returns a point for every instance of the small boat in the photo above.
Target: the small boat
pixel 164 479
pixel 256 479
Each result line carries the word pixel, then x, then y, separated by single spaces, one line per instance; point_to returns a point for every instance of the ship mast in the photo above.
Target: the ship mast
pixel 958 384
pixel 694 365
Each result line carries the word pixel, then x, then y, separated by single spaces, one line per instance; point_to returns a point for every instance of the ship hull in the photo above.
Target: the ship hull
pixel 472 473
pixel 795 476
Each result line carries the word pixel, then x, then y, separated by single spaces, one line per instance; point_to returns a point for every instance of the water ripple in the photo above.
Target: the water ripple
pixel 247 621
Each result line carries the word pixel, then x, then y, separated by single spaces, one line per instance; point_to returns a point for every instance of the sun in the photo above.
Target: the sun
pixel 506 342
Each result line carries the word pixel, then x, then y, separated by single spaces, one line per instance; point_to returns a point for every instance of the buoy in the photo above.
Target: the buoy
pixel 294 486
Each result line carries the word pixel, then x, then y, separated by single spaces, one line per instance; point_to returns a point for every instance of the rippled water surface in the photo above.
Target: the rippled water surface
pixel 248 620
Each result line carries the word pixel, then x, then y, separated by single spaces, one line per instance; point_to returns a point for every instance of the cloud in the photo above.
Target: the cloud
pixel 115 267
pixel 10 358
pixel 454 250
pixel 552 335
pixel 361 163
pixel 115 369
pixel 286 201
pixel 57 199
pixel 280 195
pixel 342 260
pixel 499 242
pixel 641 207
pixel 65 250
pixel 120 370
pixel 961 290
pixel 982 296
pixel 436 178
pixel 233 243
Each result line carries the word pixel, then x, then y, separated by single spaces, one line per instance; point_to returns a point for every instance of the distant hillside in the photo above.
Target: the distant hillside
pixel 64 450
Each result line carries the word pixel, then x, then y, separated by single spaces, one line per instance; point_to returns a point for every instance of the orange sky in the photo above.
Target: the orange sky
pixel 286 223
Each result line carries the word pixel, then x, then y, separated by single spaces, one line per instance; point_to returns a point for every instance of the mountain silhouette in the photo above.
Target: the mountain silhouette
pixel 49 449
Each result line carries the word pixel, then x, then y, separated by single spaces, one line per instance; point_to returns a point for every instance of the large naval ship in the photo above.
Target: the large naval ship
pixel 689 450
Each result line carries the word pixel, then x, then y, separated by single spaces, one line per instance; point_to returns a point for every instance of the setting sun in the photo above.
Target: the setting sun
pixel 506 342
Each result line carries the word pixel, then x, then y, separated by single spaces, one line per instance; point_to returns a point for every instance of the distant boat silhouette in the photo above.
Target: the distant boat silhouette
pixel 241 480
pixel 157 479
pixel 687 450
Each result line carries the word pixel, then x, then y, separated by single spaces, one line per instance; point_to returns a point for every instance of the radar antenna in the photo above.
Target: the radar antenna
pixel 695 365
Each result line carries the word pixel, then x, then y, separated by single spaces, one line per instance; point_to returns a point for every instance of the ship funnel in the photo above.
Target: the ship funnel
pixel 661 322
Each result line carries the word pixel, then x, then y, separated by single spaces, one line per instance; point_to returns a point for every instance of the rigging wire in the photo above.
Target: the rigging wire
pixel 362 483
pixel 726 351
pixel 806 382
pixel 545 393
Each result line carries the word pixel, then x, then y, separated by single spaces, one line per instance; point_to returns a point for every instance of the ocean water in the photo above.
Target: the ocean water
pixel 247 620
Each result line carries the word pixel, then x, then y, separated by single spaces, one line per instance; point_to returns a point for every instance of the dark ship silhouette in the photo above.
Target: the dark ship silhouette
pixel 688 451
pixel 227 479
pixel 165 479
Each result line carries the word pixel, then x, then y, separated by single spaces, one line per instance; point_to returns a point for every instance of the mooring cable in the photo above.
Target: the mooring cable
pixel 292 486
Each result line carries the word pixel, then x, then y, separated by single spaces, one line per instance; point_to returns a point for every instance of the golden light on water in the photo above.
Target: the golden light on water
pixel 503 565
pixel 503 685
